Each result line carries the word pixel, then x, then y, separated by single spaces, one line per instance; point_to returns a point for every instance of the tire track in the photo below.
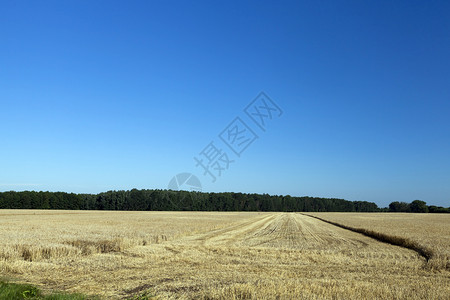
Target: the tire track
pixel 293 231
pixel 383 238
pixel 228 234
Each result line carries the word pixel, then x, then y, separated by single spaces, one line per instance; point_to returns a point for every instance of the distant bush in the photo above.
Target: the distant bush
pixel 417 206
pixel 399 207
pixel 438 209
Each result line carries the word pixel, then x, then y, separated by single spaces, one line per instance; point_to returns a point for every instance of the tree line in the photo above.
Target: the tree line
pixel 169 200
pixel 417 206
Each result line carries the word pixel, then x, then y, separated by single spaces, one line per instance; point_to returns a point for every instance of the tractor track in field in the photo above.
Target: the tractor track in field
pixel 383 238
pixel 296 232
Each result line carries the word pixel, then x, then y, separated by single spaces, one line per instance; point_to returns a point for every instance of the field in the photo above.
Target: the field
pixel 218 255
pixel 429 231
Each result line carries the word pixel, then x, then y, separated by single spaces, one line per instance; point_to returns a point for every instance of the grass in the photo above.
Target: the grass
pixel 147 295
pixel 218 255
pixel 17 291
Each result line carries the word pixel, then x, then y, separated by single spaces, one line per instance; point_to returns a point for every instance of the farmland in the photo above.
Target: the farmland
pixel 430 232
pixel 218 255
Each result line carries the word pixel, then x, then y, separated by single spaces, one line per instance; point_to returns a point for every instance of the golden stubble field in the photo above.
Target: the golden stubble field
pixel 218 255
pixel 429 231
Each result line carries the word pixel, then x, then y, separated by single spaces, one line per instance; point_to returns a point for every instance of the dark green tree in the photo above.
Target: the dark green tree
pixel 418 206
pixel 399 207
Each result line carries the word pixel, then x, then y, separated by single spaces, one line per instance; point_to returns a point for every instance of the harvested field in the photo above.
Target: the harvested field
pixel 209 255
pixel 430 232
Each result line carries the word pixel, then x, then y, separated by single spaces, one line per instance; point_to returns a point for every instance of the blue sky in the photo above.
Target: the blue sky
pixel 103 95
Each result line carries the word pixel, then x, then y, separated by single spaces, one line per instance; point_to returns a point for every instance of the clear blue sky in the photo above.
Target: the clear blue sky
pixel 103 95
